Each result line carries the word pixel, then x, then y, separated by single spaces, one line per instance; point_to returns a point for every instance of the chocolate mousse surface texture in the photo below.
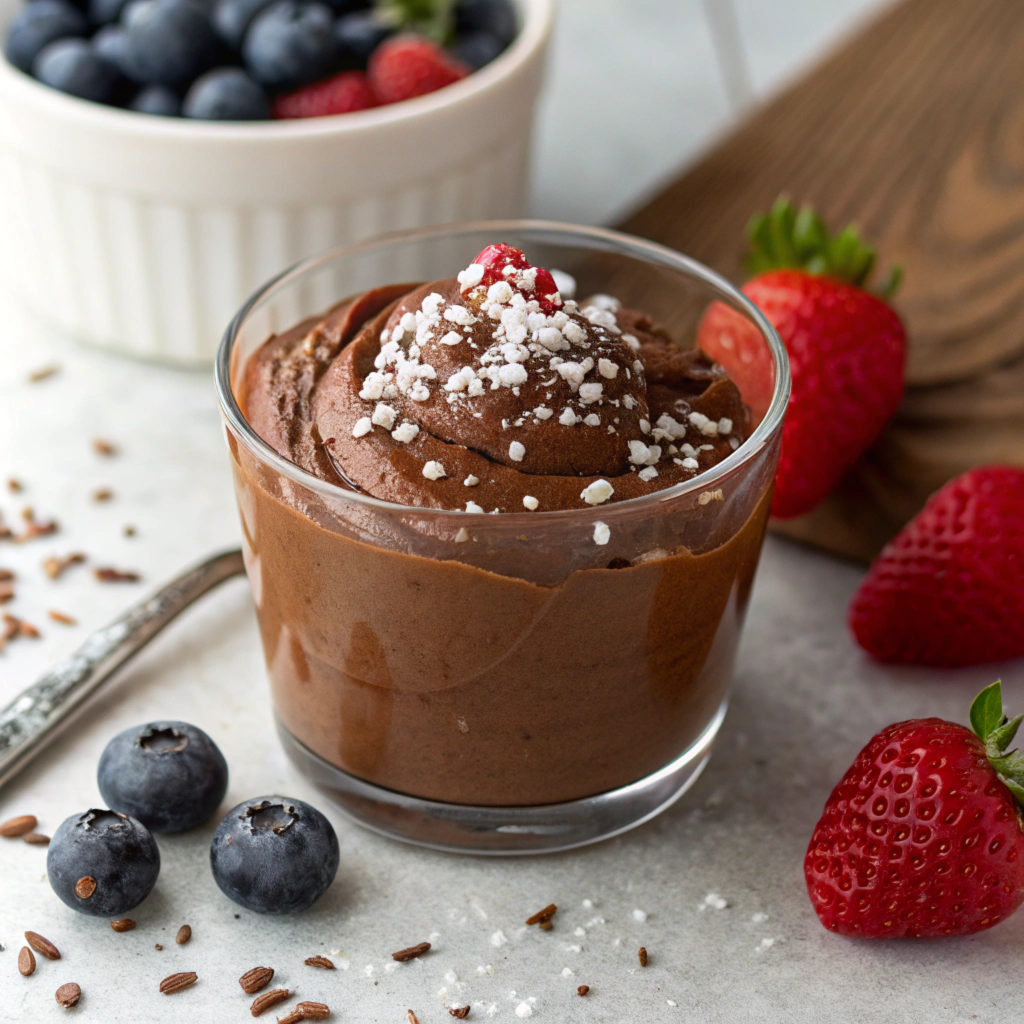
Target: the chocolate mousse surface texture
pixel 464 395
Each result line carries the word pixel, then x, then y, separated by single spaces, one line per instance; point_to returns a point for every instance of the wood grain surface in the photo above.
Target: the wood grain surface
pixel 914 129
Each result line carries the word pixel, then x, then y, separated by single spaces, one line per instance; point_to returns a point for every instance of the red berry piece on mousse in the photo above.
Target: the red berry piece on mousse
pixel 922 837
pixel 502 264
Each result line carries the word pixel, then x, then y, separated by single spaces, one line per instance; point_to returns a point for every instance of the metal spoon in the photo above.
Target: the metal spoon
pixel 32 718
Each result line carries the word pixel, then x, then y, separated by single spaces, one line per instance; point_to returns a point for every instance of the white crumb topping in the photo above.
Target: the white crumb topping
pixel 472 506
pixel 405 432
pixel 568 418
pixel 517 451
pixel 592 420
pixel 531 502
pixel 459 315
pixel 373 386
pixel 383 416
pixel 363 427
pixel 597 492
pixel 639 453
pixel 433 470
pixel 471 276
pixel 607 368
pixel 565 283
pixel 500 291
pixel 601 533
pixel 647 474
pixel 591 392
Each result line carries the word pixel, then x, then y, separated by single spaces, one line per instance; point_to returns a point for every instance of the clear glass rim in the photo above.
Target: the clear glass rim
pixel 597 239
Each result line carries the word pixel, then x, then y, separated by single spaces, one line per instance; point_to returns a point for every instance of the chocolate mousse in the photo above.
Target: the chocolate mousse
pixel 491 683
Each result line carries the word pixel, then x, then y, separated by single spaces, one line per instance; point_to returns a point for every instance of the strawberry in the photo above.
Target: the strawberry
pixel 923 837
pixel 847 349
pixel 342 94
pixel 407 66
pixel 501 262
pixel 949 589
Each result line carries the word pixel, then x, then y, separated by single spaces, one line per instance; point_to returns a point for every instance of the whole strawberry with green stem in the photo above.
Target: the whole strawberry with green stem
pixel 923 836
pixel 846 345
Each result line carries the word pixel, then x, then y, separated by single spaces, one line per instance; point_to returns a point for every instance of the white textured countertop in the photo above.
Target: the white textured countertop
pixel 805 702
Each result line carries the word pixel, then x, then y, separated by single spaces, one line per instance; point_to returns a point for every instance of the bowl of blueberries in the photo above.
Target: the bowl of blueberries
pixel 159 159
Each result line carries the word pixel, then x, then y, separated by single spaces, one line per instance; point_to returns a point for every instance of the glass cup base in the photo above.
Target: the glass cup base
pixel 504 831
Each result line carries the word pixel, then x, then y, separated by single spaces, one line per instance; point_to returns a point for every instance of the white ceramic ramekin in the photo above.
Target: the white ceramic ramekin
pixel 144 234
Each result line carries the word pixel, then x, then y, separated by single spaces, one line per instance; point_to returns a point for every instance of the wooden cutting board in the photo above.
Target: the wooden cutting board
pixel 915 130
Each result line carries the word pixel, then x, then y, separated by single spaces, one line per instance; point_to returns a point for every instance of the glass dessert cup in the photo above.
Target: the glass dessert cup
pixel 515 683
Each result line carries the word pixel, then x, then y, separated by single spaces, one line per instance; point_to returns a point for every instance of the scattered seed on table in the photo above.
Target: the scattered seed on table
pixel 43 946
pixel 257 978
pixel 176 982
pixel 411 953
pixel 26 961
pixel 313 1011
pixel 19 826
pixel 319 961
pixel 264 1002
pixel 184 934
pixel 69 994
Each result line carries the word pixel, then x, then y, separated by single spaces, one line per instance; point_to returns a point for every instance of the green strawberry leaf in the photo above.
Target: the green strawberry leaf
pixel 434 19
pixel 799 239
pixel 999 739
pixel 1014 787
pixel 987 711
pixel 997 733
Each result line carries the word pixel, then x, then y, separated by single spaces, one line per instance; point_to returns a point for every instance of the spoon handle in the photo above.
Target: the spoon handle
pixel 32 718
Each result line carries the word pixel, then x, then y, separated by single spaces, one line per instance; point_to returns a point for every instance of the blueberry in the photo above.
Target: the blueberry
pixel 290 44
pixel 73 66
pixel 171 42
pixel 159 101
pixel 232 18
pixel 105 12
pixel 38 25
pixel 102 863
pixel 498 17
pixel 360 34
pixel 274 855
pixel 111 43
pixel 227 94
pixel 169 775
pixel 477 49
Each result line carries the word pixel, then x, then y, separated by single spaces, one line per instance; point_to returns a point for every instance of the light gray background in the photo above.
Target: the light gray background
pixel 635 90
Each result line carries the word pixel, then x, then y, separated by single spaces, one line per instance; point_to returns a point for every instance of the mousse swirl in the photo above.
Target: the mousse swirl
pixel 489 392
